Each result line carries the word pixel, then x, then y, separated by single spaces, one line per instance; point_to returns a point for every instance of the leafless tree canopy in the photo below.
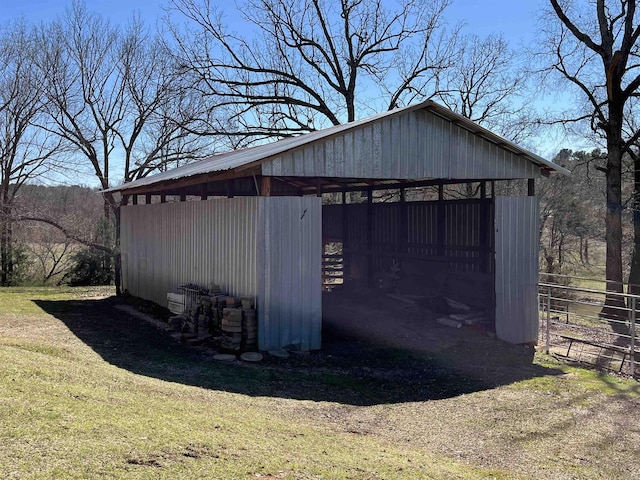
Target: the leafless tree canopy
pixel 487 84
pixel 26 151
pixel 312 63
pixel 114 95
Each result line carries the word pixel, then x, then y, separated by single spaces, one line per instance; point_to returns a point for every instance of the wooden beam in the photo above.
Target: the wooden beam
pixel 346 261
pixel 370 237
pixel 531 187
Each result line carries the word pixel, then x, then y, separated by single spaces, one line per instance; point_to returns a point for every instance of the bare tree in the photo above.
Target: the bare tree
pixel 311 63
pixel 115 100
pixel 488 85
pixel 594 47
pixel 26 152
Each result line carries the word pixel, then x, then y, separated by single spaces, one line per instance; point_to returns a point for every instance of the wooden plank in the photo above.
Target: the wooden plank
pixel 265 189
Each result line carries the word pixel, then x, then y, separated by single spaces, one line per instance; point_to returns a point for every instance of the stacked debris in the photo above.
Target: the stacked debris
pixel 231 325
pixel 212 315
pixel 249 324
pixel 460 314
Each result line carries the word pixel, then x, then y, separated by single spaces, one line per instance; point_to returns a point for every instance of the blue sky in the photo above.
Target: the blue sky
pixel 516 19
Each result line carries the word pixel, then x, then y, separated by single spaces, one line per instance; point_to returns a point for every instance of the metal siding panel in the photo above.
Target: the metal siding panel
pixel 351 164
pixel 376 149
pixel 516 268
pixel 203 242
pixel 290 270
pixel 390 143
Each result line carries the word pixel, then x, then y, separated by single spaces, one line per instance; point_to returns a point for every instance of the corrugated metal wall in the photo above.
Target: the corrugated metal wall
pixel 516 268
pixel 166 245
pixel 290 273
pixel 416 144
pixel 267 247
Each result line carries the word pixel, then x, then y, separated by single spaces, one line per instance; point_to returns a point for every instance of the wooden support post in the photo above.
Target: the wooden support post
pixel 163 198
pixel 483 189
pixel 147 199
pixel 230 188
pixel 346 264
pixel 125 200
pixel 319 187
pixel 403 231
pixel 370 236
pixel 441 223
pixel 493 189
pixel 183 195
pixel 531 187
pixel 265 189
pixel 203 191
pixel 135 199
pixel 485 235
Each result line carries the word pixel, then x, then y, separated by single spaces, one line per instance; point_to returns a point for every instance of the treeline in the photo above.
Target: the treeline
pixel 44 253
pixel 81 96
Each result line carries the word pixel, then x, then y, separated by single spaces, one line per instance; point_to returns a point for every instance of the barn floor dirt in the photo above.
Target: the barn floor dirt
pixel 379 321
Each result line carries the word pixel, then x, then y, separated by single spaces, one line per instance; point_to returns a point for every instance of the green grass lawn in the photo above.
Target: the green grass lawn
pixel 75 404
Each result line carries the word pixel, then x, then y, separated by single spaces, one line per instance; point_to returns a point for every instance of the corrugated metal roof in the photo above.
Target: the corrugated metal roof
pixel 259 154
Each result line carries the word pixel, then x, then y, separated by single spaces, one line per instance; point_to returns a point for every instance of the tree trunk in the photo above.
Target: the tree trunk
pixel 5 238
pixel 586 251
pixel 614 304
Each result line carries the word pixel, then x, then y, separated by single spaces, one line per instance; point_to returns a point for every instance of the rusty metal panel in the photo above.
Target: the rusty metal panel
pixel 516 268
pixel 166 245
pixel 289 266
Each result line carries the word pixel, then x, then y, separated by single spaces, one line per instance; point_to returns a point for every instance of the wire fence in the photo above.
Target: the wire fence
pixel 588 324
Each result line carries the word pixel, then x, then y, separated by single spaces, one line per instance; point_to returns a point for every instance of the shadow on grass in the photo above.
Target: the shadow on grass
pixel 347 370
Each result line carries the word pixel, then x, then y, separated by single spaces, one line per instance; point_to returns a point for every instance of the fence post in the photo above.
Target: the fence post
pixel 632 365
pixel 548 319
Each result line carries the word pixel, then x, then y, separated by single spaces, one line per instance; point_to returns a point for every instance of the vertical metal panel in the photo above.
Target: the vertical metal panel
pixel 414 144
pixel 516 268
pixel 290 272
pixel 170 244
